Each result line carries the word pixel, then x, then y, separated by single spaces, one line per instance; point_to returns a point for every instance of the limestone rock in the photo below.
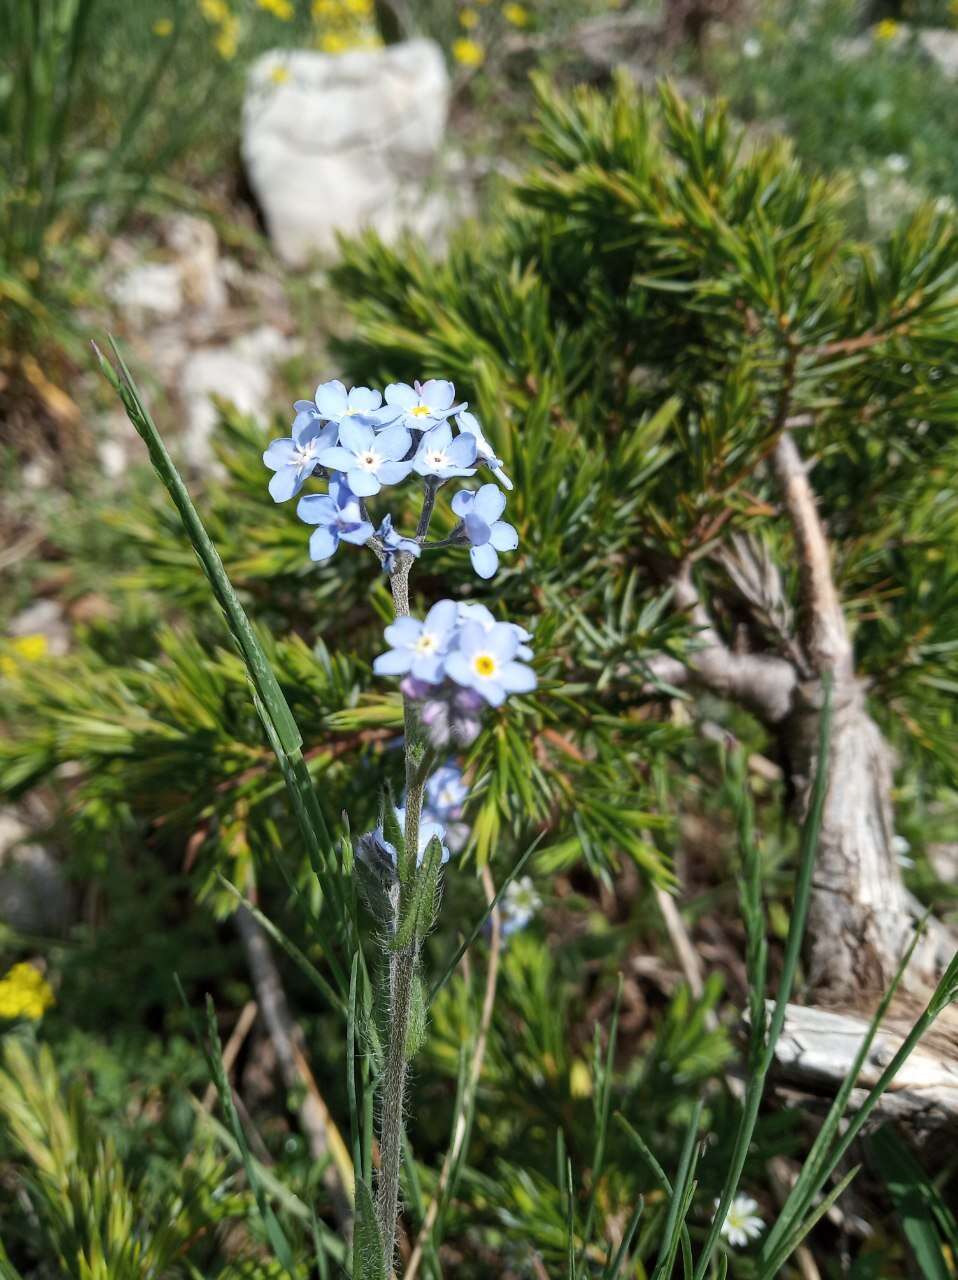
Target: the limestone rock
pixel 340 143
pixel 34 898
pixel 240 371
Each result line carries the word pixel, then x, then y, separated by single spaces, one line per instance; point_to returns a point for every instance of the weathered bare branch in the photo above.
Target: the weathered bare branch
pixel 325 1141
pixel 824 632
pixel 761 682
pixel 817 1049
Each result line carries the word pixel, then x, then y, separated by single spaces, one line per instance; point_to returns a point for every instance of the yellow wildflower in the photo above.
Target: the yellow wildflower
pixel 334 42
pixel 24 993
pixel 27 648
pixel 362 8
pixel 580 1081
pixel 953 9
pixel 226 41
pixel 279 75
pixel 163 27
pixel 516 14
pixel 886 30
pixel 325 9
pixel 469 52
pixel 469 19
pixel 281 9
pixel 215 10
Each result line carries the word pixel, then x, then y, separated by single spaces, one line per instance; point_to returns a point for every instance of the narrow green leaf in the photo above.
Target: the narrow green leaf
pixel 368 1260
pixel 913 1196
pixel 213 1052
pixel 259 670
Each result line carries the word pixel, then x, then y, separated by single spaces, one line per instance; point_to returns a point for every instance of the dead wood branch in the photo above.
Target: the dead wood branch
pixel 817 1049
pixel 325 1142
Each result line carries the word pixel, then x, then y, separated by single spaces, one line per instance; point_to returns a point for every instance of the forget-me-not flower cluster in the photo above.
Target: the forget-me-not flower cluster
pixel 450 646
pixel 364 441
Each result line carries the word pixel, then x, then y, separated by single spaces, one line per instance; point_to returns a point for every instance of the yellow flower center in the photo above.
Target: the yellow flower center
pixel 484 664
pixel 426 643
pixel 419 411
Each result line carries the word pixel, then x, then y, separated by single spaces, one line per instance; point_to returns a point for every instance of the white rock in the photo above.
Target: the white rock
pixel 43 617
pixel 194 242
pixel 34 898
pixel 192 280
pixel 150 289
pixel 345 142
pixel 240 372
pixel 941 45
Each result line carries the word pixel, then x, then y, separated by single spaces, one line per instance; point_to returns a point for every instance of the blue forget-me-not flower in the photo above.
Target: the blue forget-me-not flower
pixel 468 423
pixel 334 403
pixel 296 457
pixel 394 541
pixel 487 534
pixel 369 460
pixel 338 517
pixel 419 648
pixel 424 404
pixel 485 661
pixel 470 611
pixel 439 455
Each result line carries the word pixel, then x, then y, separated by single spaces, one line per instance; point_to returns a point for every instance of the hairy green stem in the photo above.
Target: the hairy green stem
pixel 402 969
pixel 402 964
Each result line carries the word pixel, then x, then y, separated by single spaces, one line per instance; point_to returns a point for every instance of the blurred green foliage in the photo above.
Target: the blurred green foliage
pixel 624 330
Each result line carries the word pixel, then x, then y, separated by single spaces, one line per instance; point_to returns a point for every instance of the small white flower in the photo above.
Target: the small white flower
pixel 751 47
pixel 896 163
pixel 742 1223
pixel 519 904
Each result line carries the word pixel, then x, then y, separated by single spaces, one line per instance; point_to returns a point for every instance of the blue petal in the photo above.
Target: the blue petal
pixel 458 668
pixel 428 667
pixel 477 531
pixel 382 417
pixel 441 617
pixel 331 399
pixel 491 690
pixel 490 503
pixel 317 508
pixel 438 437
pixel 363 483
pixel 285 484
pixel 401 393
pixel 503 536
pixel 462 451
pixel 403 632
pixel 516 678
pixel 303 421
pixel 502 641
pixel 356 533
pixel 393 472
pixel 337 457
pixel 394 663
pixel 279 453
pixel 438 394
pixel 484 559
pixel 462 502
pixel 364 400
pixel 322 543
pixel 354 435
pixel 393 442
pixel 472 638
